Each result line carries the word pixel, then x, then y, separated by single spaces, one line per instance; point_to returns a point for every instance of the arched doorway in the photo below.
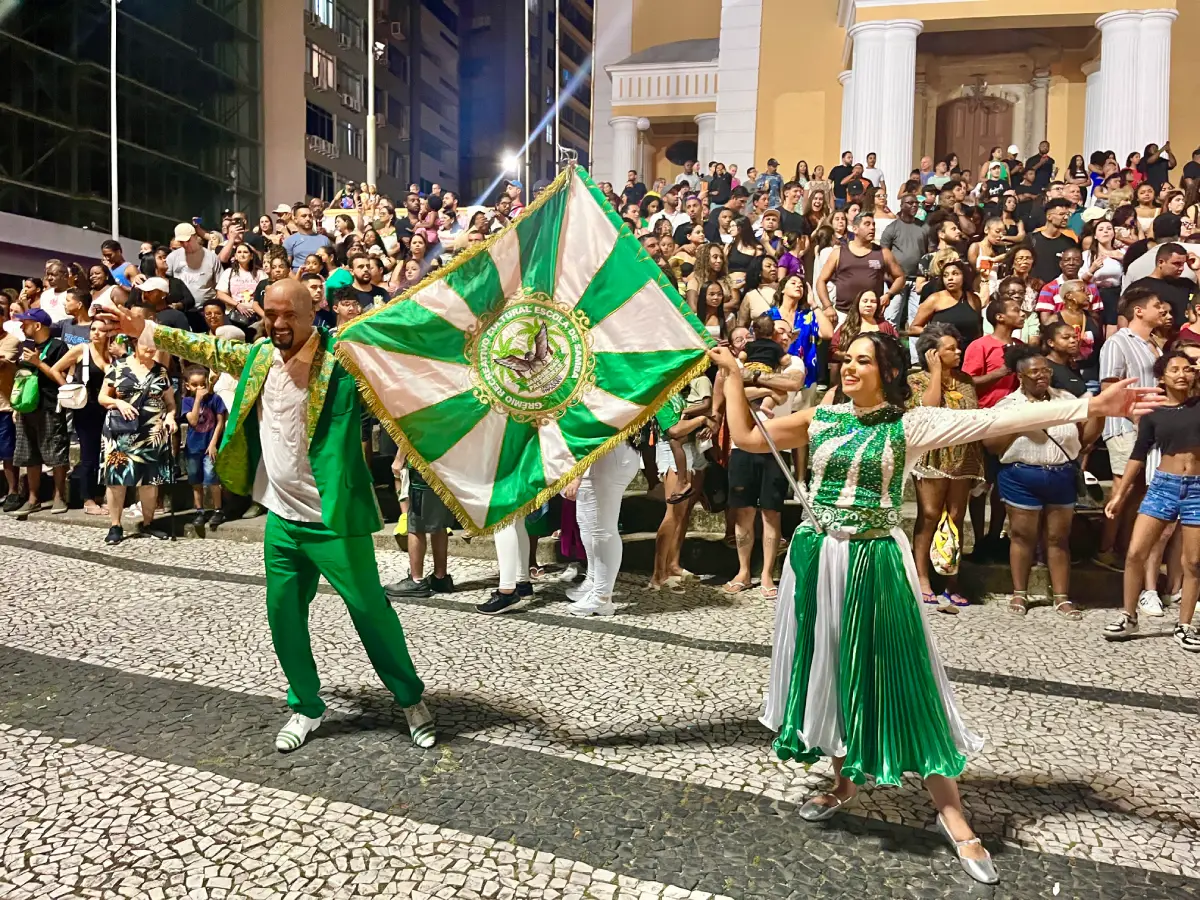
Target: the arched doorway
pixel 971 127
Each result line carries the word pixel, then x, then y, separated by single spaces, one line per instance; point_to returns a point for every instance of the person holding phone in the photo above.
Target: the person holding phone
pixel 42 430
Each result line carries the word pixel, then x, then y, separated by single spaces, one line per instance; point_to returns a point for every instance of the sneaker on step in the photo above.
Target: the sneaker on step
pixel 26 509
pixel 296 732
pixel 502 603
pixel 115 535
pixel 1187 637
pixel 592 606
pixel 59 507
pixel 409 588
pixel 1150 603
pixel 580 591
pixel 1109 560
pixel 1121 630
pixel 570 574
pixel 443 585
pixel 420 725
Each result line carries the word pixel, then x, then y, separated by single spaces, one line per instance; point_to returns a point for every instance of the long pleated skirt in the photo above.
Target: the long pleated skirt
pixel 854 668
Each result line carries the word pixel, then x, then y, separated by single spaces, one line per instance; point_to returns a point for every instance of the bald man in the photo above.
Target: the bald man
pixel 293 443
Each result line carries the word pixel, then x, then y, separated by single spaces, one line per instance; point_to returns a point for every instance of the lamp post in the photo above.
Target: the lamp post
pixel 371 170
pixel 557 81
pixel 112 118
pixel 525 13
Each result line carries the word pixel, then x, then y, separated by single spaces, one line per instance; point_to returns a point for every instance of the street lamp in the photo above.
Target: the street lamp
pixel 112 117
pixel 371 171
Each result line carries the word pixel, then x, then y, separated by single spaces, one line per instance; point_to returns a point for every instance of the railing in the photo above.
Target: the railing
pixel 663 83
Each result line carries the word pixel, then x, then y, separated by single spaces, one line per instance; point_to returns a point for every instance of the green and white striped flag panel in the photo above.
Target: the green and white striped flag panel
pixel 507 374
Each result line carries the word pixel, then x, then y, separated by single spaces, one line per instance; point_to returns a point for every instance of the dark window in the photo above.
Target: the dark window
pixel 397 62
pixel 442 13
pixel 318 122
pixel 318 182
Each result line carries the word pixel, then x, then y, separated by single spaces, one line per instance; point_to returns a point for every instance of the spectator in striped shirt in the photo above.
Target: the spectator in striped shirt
pixel 1050 303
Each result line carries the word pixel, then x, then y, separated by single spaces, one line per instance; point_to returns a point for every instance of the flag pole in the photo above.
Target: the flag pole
pixel 787 472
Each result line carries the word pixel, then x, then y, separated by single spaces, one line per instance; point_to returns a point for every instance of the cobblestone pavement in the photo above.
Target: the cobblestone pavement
pixel 578 758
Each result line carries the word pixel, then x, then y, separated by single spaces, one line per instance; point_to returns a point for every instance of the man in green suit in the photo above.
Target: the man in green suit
pixel 294 443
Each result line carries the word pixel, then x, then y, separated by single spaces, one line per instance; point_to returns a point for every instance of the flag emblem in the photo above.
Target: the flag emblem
pixel 532 358
pixel 505 374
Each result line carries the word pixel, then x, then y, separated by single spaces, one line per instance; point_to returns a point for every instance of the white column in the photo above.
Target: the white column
pixel 885 74
pixel 1117 105
pixel 1091 69
pixel 706 125
pixel 614 38
pixel 1154 77
pixel 737 82
pixel 870 75
pixel 1040 101
pixel 846 79
pixel 624 150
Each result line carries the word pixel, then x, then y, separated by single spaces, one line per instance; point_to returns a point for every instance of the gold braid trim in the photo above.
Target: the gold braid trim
pixel 560 182
pixel 375 405
pixel 431 478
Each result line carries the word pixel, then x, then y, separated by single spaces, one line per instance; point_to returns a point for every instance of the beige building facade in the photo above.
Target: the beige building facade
pixel 806 79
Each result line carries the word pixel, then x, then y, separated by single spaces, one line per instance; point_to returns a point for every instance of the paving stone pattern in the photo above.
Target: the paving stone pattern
pixel 1086 781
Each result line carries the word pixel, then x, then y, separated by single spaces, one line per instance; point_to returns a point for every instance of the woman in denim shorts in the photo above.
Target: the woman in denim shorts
pixel 1038 473
pixel 1173 496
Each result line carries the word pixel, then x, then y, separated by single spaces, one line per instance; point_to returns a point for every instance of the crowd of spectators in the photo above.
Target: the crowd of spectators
pixel 1008 283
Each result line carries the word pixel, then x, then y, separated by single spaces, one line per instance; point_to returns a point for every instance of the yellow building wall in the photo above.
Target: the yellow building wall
pixel 1065 108
pixel 799 113
pixel 978 14
pixel 1185 83
pixel 664 21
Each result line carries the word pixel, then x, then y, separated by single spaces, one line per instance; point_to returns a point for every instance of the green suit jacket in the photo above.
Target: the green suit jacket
pixel 347 490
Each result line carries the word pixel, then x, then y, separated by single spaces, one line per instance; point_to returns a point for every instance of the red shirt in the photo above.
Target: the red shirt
pixel 987 355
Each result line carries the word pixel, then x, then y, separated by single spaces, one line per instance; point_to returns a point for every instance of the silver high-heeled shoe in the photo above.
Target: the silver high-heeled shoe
pixel 812 811
pixel 982 870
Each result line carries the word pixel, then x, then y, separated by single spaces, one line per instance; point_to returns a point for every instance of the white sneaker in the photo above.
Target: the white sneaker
pixel 1172 599
pixel 1150 603
pixel 296 732
pixel 135 511
pixel 592 606
pixel 581 591
pixel 420 725
pixel 569 574
pixel 1121 630
pixel 1187 637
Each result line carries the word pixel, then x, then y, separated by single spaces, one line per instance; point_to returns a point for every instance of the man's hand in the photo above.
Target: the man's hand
pixel 211 452
pixel 725 360
pixel 31 357
pixel 121 320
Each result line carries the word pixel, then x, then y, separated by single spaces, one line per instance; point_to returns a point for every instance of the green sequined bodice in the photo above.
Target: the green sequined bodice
pixel 858 469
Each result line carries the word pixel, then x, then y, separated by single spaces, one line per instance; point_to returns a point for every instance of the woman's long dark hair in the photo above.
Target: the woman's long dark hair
pixel 704 308
pixel 892 360
pixel 852 327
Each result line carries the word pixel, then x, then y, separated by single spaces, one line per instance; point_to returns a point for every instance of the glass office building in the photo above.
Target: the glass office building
pixel 189 121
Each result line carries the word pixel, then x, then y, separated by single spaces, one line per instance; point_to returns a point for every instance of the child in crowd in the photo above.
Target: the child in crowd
pixel 1191 331
pixel 763 355
pixel 205 413
pixel 346 305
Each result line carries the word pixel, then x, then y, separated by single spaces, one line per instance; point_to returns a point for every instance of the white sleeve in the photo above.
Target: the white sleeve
pixel 223 281
pixel 931 427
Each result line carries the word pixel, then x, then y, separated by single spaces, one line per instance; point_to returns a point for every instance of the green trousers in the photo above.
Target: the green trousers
pixel 296 555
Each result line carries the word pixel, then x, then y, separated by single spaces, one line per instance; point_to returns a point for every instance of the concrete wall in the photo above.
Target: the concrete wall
pixel 283 102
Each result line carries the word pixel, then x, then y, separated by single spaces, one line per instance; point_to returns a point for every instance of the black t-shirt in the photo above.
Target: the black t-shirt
pixel 1156 173
pixel 720 188
pixel 1048 251
pixel 1176 292
pixel 793 223
pixel 255 240
pixel 173 318
pixel 1041 179
pixel 51 351
pixel 633 193
pixel 366 299
pixel 1067 378
pixel 836 174
pixel 1191 169
pixel 1173 429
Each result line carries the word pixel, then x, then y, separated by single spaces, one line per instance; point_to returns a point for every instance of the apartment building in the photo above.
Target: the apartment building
pixel 494 87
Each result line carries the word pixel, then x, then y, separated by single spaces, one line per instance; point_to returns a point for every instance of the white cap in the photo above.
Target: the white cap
pixel 1013 148
pixel 184 232
pixel 155 284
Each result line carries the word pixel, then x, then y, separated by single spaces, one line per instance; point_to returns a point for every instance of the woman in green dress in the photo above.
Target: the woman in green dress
pixel 855 673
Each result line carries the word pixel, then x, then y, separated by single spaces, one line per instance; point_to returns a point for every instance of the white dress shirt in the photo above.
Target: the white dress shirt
pixel 284 482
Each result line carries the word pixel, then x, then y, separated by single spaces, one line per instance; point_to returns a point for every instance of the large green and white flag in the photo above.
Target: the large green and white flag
pixel 506 374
